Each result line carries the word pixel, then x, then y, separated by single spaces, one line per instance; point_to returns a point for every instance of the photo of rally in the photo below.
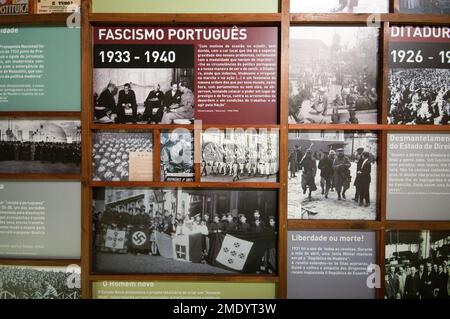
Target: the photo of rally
pixel 122 156
pixel 340 6
pixel 240 156
pixel 144 96
pixel 177 156
pixel 331 80
pixel 417 264
pixel 425 6
pixel 185 231
pixel 33 282
pixel 38 146
pixel 332 175
pixel 419 96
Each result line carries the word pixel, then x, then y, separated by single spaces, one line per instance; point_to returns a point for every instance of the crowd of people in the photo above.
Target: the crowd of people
pixel 40 151
pixel 139 217
pixel 426 6
pixel 28 283
pixel 160 107
pixel 419 96
pixel 111 153
pixel 426 280
pixel 335 172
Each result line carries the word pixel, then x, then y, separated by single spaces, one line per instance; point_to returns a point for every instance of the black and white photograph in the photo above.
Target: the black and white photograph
pixel 122 156
pixel 177 156
pixel 240 155
pixel 340 6
pixel 425 6
pixel 40 146
pixel 333 75
pixel 144 96
pixel 38 282
pixel 417 264
pixel 185 231
pixel 332 175
pixel 419 96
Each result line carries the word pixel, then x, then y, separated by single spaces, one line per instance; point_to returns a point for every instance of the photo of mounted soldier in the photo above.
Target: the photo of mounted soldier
pixel 331 79
pixel 144 96
pixel 38 146
pixel 332 175
pixel 239 155
pixel 417 264
pixel 177 156
pixel 340 6
pixel 185 231
pixel 122 156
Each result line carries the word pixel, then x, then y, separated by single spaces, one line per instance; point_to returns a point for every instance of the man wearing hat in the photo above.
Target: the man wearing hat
pixel 341 168
pixel 360 160
pixel 308 164
pixel 364 180
pixel 326 172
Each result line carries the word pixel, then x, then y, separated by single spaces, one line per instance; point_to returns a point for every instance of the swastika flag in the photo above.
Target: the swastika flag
pixel 234 252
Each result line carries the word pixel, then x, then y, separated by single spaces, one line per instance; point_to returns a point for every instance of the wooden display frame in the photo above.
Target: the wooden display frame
pixel 283 20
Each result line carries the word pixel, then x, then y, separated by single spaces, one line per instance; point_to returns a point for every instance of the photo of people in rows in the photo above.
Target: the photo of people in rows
pixel 332 175
pixel 111 152
pixel 34 282
pixel 240 156
pixel 419 96
pixel 185 231
pixel 340 6
pixel 417 265
pixel 35 146
pixel 325 85
pixel 150 96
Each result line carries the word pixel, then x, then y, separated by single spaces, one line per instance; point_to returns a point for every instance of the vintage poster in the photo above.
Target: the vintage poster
pixel 332 175
pixel 419 75
pixel 416 264
pixel 40 282
pixel 59 6
pixel 331 79
pixel 175 75
pixel 40 146
pixel 122 156
pixel 185 231
pixel 177 156
pixel 40 220
pixel 10 7
pixel 340 6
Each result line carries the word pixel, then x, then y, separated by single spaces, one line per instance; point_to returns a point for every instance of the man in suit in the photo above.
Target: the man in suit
pixel 326 172
pixel 360 159
pixel 309 166
pixel 412 285
pixel 153 101
pixel 391 286
pixel 364 180
pixel 184 110
pixel 341 169
pixel 106 105
pixel 127 99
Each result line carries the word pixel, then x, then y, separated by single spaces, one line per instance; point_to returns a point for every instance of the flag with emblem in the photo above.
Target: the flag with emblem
pixel 181 248
pixel 234 252
pixel 140 239
pixel 115 239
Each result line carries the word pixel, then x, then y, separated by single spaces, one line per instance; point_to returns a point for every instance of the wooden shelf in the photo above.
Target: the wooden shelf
pixel 170 19
pixel 35 19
